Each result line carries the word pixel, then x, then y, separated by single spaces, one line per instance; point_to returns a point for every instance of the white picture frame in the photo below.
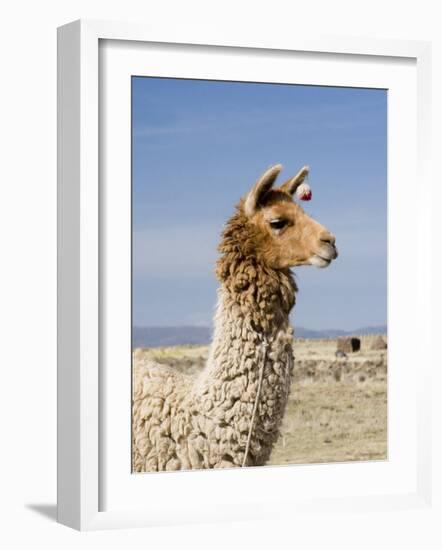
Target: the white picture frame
pixel 80 270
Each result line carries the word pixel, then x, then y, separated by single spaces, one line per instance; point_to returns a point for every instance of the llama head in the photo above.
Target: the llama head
pixel 285 236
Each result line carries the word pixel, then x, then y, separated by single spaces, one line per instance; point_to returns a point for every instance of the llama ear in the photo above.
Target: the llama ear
pixel 292 184
pixel 260 188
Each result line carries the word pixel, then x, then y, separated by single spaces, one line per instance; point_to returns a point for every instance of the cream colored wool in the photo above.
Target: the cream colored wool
pixel 181 423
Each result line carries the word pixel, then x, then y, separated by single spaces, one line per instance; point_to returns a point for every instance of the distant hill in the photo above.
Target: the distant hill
pixel 301 332
pixel 154 337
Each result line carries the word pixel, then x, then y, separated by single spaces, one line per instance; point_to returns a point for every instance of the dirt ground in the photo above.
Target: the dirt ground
pixel 337 410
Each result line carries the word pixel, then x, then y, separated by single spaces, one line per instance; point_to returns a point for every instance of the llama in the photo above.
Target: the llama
pixel 230 414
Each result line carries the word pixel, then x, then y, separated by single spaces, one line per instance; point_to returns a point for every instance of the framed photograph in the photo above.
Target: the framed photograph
pixel 207 369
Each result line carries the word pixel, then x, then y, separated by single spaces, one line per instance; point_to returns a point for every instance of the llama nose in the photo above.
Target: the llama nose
pixel 328 238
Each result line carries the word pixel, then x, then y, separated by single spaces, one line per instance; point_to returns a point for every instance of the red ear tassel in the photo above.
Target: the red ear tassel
pixel 304 192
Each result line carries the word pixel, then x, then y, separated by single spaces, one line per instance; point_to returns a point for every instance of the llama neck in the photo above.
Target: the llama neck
pixel 247 317
pixel 250 290
pixel 253 305
pixel 254 300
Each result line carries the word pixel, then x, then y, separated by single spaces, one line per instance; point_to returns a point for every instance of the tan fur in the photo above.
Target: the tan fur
pixel 182 423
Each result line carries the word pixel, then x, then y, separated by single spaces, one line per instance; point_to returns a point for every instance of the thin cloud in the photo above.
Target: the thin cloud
pixel 175 252
pixel 303 118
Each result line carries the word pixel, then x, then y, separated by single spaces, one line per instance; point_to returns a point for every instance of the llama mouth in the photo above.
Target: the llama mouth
pixel 324 259
pixel 319 261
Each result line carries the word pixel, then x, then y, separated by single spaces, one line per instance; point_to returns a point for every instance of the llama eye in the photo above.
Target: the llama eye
pixel 278 224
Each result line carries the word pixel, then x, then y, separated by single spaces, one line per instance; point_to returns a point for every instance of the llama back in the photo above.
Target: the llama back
pixel 157 403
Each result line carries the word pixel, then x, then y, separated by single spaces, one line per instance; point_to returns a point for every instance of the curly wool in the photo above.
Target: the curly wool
pixel 180 422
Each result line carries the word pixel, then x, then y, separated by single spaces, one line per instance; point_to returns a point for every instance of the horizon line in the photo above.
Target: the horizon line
pixel 296 326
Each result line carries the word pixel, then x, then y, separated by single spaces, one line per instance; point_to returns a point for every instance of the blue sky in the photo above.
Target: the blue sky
pixel 198 146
